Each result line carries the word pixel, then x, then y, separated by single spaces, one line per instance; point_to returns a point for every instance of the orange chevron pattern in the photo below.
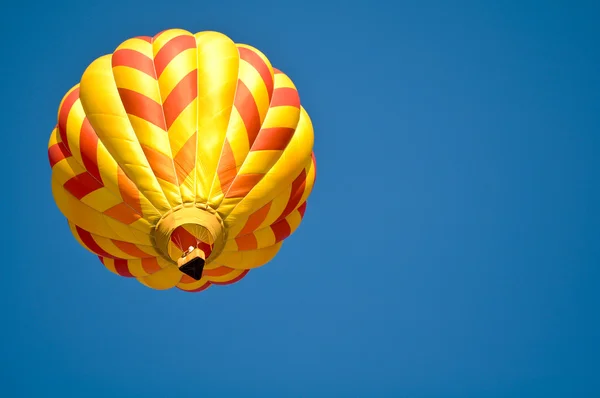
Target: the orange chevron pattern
pixel 176 120
pixel 267 143
pixel 128 210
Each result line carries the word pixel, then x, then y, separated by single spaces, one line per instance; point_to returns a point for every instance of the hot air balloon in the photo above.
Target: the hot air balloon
pixel 182 160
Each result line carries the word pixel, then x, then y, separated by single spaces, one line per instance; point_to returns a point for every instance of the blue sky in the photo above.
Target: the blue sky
pixel 449 249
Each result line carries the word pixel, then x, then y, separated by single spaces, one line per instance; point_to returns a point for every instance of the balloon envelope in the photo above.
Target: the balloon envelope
pixel 182 160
